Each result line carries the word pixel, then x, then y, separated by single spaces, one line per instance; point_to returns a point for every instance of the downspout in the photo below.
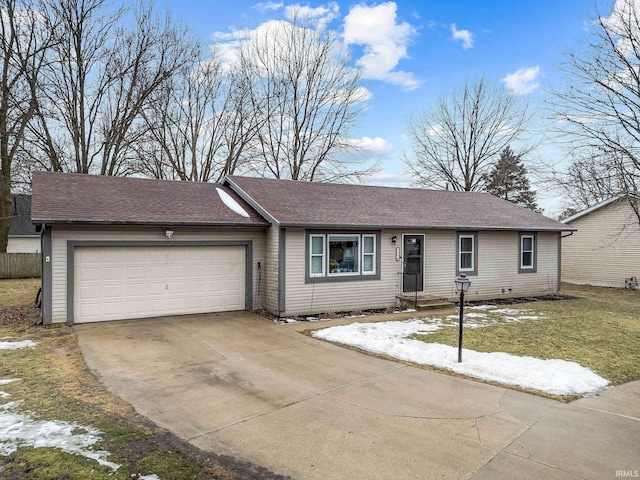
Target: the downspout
pixel 560 237
pixel 46 274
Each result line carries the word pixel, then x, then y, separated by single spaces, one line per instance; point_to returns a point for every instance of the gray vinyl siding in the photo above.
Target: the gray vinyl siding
pixel 498 265
pixel 307 298
pixel 60 236
pixel 272 266
pixel 606 248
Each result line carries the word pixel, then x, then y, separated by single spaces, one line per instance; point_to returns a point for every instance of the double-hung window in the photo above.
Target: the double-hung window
pixel 527 252
pixel 368 254
pixel 467 253
pixel 317 256
pixel 336 255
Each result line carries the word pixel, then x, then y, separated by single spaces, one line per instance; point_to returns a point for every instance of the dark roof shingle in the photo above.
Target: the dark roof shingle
pixel 21 225
pixel 78 198
pixel 294 203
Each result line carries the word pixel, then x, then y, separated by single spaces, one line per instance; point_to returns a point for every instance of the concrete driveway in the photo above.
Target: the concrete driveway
pixel 239 385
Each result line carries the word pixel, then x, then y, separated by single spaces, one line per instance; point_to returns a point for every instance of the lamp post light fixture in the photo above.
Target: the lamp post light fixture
pixel 462 285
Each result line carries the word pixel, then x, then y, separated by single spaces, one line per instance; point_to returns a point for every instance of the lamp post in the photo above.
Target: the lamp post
pixel 462 285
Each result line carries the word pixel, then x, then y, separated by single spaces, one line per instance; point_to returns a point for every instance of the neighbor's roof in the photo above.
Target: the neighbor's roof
pixel 21 225
pixel 294 203
pixel 93 199
pixel 586 211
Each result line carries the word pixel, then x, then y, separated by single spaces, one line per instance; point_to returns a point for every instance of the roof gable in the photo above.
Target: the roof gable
pixel 295 203
pixel 99 199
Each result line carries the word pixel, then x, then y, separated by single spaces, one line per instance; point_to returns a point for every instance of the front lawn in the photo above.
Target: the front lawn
pixel 58 422
pixel 562 348
pixel 599 330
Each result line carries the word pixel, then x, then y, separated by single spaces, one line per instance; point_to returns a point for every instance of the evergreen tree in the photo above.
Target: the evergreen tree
pixel 508 179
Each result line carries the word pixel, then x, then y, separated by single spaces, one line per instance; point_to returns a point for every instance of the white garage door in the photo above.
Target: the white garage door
pixel 115 283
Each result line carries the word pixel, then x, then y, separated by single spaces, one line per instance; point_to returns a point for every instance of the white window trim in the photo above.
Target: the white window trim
pixel 365 254
pixel 523 251
pixel 358 238
pixel 472 252
pixel 326 270
pixel 323 255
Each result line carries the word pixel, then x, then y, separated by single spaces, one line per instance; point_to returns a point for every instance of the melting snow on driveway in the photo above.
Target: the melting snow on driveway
pixel 558 377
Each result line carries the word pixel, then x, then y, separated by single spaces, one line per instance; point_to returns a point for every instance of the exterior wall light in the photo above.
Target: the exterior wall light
pixel 394 239
pixel 168 233
pixel 462 285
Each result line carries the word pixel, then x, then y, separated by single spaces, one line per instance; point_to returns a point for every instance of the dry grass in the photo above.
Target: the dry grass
pixel 600 330
pixel 17 293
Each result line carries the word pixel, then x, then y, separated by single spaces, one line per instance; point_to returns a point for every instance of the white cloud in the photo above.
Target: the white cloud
pixel 384 40
pixel 264 6
pixel 323 13
pixel 367 144
pixel 465 36
pixel 363 94
pixel 436 131
pixel 523 81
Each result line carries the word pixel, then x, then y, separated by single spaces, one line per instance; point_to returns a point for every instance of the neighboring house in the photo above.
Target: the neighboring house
pixel 605 249
pixel 121 248
pixel 23 237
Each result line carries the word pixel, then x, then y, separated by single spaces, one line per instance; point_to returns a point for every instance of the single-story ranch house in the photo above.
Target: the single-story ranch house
pixel 605 250
pixel 123 248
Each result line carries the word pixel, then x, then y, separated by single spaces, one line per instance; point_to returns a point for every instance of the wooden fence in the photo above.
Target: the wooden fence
pixel 20 265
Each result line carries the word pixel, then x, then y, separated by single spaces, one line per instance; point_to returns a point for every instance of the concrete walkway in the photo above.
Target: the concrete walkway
pixel 239 385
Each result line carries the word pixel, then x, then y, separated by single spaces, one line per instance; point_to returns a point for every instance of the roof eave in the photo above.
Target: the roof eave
pixel 427 227
pixel 589 210
pixel 148 224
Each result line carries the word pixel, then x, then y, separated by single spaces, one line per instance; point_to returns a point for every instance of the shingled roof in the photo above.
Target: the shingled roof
pixel 293 203
pixel 21 225
pixel 93 199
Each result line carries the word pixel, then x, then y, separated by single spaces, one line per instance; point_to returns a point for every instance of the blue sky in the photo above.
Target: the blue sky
pixel 411 51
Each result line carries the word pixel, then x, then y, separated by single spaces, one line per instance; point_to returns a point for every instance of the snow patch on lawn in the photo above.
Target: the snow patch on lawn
pixel 17 345
pixel 559 377
pixel 20 430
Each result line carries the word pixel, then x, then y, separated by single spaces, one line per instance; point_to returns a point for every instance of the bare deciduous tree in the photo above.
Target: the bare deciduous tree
pixel 306 98
pixel 106 66
pixel 461 135
pixel 587 181
pixel 599 111
pixel 25 37
pixel 198 125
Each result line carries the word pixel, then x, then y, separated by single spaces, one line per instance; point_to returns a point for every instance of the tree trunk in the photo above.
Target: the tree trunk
pixel 5 204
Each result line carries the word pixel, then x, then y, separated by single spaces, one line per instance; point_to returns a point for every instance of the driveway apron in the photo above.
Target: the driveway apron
pixel 240 385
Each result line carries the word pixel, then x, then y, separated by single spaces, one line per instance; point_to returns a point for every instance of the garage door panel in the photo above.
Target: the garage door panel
pixel 136 272
pixel 113 283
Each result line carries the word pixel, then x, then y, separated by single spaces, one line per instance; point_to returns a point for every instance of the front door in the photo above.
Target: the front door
pixel 412 263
